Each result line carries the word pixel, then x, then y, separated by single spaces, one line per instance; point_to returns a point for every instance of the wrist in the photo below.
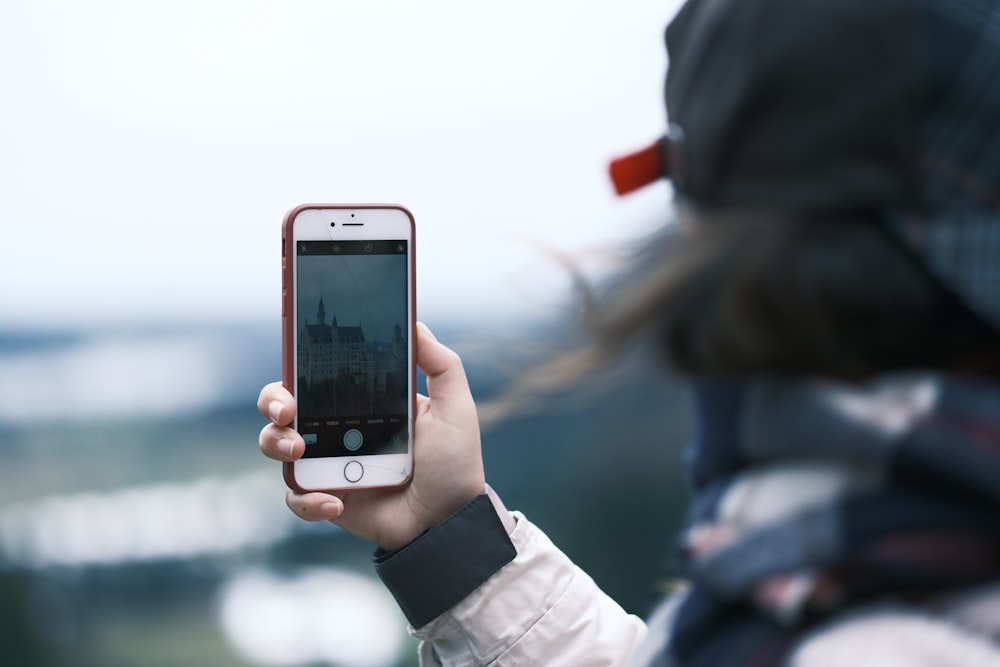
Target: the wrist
pixel 393 543
pixel 447 562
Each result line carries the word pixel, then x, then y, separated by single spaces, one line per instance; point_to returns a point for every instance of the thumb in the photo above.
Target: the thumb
pixel 446 380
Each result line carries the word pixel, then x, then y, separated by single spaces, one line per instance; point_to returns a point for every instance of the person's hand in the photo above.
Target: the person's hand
pixel 447 468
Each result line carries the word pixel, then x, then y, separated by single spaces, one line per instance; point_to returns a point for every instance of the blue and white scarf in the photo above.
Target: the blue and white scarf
pixel 812 497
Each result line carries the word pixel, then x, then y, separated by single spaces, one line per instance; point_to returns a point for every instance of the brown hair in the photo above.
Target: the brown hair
pixel 734 293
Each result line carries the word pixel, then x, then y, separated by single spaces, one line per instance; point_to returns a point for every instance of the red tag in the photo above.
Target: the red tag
pixel 631 172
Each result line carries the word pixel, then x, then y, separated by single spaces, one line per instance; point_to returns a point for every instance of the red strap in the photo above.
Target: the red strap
pixel 634 171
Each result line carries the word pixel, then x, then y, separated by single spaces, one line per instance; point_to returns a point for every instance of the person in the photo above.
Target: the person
pixel 829 283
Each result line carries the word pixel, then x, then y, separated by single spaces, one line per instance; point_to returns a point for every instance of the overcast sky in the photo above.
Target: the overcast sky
pixel 148 150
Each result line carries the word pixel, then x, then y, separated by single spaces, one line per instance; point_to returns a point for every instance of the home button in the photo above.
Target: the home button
pixel 353 471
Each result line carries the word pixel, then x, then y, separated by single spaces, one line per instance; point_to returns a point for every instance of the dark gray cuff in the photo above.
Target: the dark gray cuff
pixel 437 570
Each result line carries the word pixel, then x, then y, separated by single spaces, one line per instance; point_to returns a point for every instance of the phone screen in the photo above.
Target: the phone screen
pixel 351 347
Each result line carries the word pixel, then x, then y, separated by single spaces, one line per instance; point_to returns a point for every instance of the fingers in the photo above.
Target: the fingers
pixel 314 506
pixel 277 440
pixel 277 404
pixel 281 443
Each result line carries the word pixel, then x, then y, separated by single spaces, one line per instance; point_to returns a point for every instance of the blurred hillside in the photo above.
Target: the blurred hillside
pixel 124 525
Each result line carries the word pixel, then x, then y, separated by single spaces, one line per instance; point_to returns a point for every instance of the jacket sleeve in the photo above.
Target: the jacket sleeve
pixel 535 608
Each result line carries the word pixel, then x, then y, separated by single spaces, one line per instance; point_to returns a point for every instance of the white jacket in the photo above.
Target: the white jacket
pixel 541 609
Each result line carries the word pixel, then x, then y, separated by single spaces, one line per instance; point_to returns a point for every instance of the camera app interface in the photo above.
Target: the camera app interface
pixel 352 347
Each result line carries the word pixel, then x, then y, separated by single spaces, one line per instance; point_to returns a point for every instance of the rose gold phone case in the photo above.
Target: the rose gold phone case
pixel 288 327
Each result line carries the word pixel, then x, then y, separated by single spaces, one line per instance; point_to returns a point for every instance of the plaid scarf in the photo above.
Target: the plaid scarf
pixel 811 497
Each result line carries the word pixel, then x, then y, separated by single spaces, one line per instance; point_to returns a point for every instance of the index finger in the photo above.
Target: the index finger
pixel 276 403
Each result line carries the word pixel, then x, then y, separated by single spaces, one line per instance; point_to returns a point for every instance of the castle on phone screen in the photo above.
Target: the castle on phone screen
pixel 342 372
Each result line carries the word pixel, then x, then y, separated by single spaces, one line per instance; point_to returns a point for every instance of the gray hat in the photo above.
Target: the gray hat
pixel 882 107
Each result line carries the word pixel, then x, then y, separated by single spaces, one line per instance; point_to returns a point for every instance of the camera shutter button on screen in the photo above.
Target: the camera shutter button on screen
pixel 353 440
pixel 353 471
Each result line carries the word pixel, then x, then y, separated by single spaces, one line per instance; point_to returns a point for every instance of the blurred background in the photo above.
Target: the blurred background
pixel 148 152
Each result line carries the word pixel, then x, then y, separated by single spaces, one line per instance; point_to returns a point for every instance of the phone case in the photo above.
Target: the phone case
pixel 288 328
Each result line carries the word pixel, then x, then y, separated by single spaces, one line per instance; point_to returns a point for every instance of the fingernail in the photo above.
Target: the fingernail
pixel 274 410
pixel 287 447
pixel 330 509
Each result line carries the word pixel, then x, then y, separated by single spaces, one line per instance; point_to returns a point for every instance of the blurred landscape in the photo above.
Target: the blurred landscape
pixel 140 526
pixel 150 151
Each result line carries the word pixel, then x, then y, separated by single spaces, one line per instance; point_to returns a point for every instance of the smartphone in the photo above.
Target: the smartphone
pixel 348 329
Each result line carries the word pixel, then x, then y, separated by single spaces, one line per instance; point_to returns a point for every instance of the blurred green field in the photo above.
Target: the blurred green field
pixel 597 466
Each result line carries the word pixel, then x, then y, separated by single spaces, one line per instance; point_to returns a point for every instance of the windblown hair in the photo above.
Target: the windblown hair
pixel 725 293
